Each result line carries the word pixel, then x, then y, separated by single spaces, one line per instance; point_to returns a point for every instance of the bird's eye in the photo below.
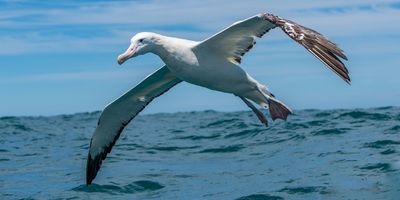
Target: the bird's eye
pixel 141 40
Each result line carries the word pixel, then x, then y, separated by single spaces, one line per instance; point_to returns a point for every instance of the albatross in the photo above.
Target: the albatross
pixel 213 63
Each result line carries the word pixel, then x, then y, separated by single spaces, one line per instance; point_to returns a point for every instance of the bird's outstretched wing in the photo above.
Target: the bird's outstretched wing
pixel 237 39
pixel 119 113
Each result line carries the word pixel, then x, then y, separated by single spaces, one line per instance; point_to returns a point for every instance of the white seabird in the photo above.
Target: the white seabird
pixel 212 63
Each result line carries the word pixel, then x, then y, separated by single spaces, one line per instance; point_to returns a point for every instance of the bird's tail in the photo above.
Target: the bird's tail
pixel 266 99
pixel 277 109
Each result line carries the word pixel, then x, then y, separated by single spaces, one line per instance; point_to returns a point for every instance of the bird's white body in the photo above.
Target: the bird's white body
pixel 205 67
pixel 212 63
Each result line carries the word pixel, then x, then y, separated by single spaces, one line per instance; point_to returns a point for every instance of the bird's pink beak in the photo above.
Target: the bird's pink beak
pixel 129 53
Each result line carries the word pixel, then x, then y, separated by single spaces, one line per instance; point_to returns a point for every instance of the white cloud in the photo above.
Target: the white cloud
pixel 164 12
pixel 82 76
pixel 27 36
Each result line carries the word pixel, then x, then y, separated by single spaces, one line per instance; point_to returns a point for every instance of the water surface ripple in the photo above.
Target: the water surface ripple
pixel 316 154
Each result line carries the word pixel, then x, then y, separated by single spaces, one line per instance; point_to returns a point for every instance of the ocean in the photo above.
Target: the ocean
pixel 316 154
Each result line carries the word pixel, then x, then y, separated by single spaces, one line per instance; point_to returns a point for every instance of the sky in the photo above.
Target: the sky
pixel 60 57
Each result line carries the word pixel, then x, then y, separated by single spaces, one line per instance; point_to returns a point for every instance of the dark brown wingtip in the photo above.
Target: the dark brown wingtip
pixel 92 167
pixel 348 80
pixel 90 172
pixel 322 48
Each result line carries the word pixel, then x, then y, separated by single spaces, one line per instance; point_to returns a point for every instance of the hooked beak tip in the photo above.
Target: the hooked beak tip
pixel 120 60
pixel 129 53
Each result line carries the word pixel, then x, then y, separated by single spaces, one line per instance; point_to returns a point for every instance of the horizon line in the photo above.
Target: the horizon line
pixel 196 111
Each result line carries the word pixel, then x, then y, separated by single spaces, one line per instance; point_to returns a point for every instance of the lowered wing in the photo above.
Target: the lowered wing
pixel 119 113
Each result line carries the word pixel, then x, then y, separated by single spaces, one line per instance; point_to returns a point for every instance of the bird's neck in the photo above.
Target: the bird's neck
pixel 168 48
pixel 162 46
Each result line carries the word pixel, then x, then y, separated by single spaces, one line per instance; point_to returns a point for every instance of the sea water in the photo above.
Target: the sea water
pixel 315 154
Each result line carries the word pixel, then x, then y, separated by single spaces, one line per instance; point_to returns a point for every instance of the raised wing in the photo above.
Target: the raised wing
pixel 234 41
pixel 119 113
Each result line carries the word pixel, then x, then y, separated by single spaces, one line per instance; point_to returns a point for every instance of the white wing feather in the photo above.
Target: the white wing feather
pixel 234 41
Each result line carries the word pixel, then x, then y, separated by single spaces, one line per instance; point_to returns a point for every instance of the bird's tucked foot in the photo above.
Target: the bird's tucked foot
pixel 278 110
pixel 260 115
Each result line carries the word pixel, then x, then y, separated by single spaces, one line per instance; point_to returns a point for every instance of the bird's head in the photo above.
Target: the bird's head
pixel 141 43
